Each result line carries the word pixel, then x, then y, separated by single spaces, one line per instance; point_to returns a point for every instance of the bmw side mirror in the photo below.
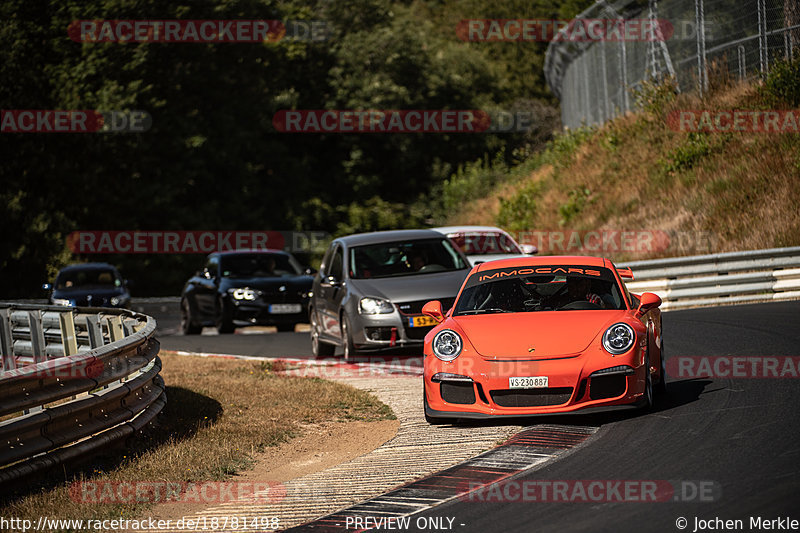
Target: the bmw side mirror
pixel 433 309
pixel 647 302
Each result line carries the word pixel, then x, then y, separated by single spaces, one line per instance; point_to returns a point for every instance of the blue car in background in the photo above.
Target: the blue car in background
pixel 89 285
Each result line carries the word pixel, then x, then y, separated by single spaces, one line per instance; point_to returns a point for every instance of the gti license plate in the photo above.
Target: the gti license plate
pixel 284 309
pixel 533 382
pixel 421 321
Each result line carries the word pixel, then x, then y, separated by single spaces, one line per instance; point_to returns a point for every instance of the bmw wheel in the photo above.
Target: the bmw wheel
pixel 224 320
pixel 188 327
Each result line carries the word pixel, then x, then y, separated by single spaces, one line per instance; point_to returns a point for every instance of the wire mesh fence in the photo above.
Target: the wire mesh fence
pixel 693 41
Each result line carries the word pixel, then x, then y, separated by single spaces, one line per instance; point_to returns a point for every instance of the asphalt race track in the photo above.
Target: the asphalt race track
pixel 740 436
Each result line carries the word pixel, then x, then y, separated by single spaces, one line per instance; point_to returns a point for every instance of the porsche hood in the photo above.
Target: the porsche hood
pixel 535 335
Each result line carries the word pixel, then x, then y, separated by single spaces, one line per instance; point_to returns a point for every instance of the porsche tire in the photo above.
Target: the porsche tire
pixel 432 420
pixel 661 388
pixel 647 398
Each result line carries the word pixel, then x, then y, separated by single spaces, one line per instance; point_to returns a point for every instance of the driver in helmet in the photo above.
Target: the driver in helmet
pixel 579 289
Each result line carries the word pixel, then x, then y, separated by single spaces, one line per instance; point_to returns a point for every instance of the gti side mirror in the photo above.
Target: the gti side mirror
pixel 333 282
pixel 433 309
pixel 647 302
pixel 529 249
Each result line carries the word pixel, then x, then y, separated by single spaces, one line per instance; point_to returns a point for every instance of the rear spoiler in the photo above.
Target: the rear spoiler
pixel 625 273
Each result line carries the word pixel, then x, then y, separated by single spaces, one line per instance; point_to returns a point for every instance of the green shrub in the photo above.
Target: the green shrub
pixel 782 85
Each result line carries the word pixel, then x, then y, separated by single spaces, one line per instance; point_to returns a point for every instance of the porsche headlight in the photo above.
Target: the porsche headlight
pixel 619 338
pixel 374 306
pixel 447 345
pixel 243 294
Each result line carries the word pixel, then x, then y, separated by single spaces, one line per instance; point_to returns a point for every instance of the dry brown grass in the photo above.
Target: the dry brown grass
pixel 743 191
pixel 220 413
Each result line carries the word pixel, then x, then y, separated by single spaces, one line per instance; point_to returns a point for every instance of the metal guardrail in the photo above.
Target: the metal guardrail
pixel 73 381
pixel 719 279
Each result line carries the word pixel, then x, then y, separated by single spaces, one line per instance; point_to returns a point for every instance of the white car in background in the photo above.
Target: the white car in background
pixel 485 243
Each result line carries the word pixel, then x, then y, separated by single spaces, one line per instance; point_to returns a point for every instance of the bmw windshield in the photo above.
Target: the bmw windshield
pixel 540 288
pixel 406 258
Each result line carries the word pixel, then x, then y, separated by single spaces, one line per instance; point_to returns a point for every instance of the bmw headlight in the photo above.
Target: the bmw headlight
pixel 374 306
pixel 447 345
pixel 619 338
pixel 243 294
pixel 61 301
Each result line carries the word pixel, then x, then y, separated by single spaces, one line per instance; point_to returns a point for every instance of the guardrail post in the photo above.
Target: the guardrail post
pixel 115 331
pixel 38 344
pixel 68 337
pixel 6 342
pixel 95 331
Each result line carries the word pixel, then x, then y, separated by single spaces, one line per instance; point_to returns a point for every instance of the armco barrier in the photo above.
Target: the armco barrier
pixel 719 279
pixel 73 381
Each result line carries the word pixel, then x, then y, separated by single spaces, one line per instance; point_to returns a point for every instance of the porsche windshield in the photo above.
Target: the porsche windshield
pixel 540 288
pixel 405 258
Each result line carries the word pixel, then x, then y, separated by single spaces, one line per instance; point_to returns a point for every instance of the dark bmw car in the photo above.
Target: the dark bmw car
pixel 246 288
pixel 89 285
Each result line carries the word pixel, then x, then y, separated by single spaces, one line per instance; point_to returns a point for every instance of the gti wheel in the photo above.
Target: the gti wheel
pixel 347 340
pixel 188 327
pixel 224 320
pixel 319 348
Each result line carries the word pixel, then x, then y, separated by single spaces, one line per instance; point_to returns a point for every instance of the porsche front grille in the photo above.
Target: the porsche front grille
pixel 531 397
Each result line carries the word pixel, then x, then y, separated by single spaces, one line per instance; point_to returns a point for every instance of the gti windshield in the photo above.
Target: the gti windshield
pixel 539 288
pixel 484 243
pixel 405 258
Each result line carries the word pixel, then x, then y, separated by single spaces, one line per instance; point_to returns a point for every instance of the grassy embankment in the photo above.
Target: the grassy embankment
pixel 715 191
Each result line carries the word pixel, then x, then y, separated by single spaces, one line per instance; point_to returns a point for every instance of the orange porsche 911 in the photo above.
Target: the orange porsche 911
pixel 541 335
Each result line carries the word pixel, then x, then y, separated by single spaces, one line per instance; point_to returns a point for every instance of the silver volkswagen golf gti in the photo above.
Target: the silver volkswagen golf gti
pixel 370 289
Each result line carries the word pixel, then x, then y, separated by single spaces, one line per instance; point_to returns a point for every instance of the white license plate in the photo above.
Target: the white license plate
pixel 532 382
pixel 284 309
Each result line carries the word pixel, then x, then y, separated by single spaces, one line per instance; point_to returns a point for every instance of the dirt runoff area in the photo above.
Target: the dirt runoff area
pixel 320 447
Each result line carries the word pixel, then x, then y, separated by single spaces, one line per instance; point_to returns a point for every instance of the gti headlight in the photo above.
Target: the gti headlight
pixel 619 338
pixel 447 345
pixel 61 301
pixel 374 306
pixel 243 294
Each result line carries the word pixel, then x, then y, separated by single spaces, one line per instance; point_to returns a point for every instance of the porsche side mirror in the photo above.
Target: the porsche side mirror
pixel 433 309
pixel 647 302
